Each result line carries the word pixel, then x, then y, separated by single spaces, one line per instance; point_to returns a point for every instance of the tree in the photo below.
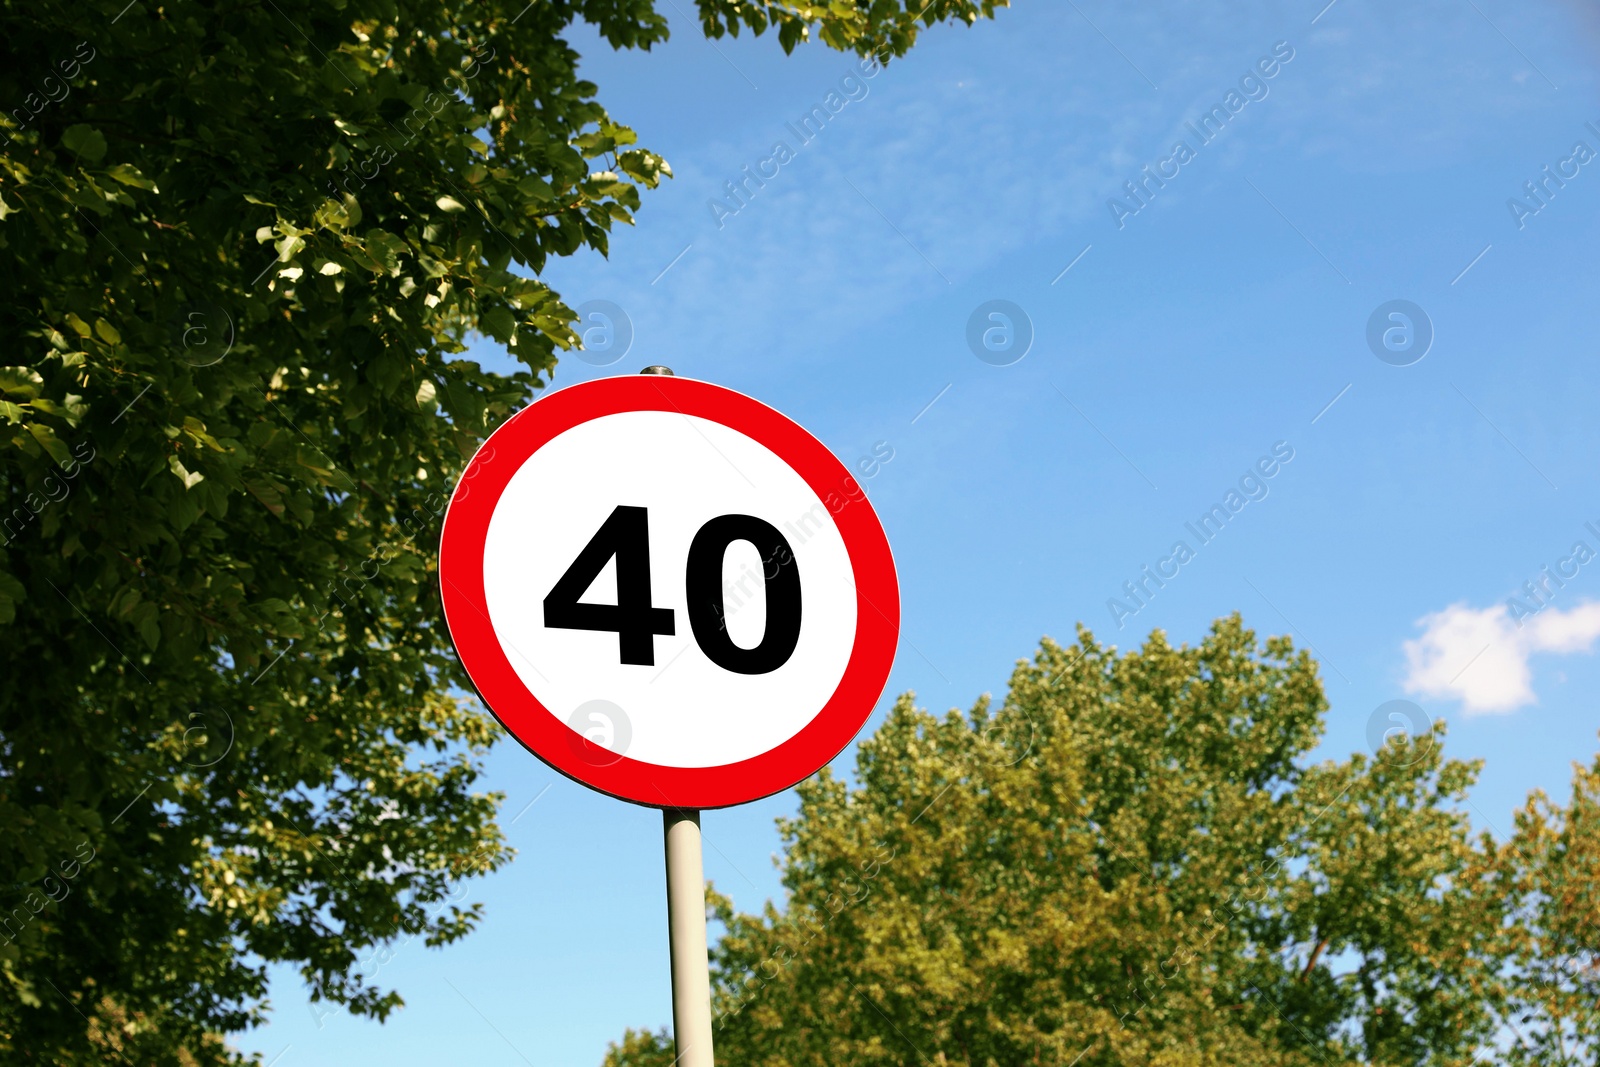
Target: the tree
pixel 242 247
pixel 1131 861
pixel 1549 875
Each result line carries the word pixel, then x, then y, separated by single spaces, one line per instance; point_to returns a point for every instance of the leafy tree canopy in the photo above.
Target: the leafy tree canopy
pixel 242 246
pixel 1132 861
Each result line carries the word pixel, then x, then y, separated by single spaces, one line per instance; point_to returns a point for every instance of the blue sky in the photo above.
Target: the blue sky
pixel 1225 316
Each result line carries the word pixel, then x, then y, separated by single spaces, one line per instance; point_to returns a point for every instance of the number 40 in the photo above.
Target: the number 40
pixel 625 535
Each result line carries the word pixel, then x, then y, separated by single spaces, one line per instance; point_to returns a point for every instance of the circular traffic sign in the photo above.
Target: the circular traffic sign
pixel 669 591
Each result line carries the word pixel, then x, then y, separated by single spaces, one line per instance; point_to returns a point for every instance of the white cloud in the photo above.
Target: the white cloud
pixel 1479 656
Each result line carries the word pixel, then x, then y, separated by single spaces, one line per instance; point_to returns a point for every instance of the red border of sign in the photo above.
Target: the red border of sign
pixel 466 526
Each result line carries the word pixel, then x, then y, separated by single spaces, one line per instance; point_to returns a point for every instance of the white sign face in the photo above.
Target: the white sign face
pixel 669 591
pixel 681 472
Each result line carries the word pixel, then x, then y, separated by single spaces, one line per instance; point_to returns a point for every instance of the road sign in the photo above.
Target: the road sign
pixel 669 591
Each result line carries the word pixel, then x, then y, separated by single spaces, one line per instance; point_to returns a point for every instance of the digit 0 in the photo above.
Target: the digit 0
pixel 703 583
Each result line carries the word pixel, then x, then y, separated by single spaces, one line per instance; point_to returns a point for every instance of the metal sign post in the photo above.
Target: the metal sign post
pixel 686 928
pixel 686 924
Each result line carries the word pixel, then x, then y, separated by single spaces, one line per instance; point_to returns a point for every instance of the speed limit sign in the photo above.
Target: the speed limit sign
pixel 669 591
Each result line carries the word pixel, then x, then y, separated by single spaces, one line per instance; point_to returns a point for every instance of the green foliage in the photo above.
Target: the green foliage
pixel 242 247
pixel 644 1048
pixel 1549 875
pixel 1132 862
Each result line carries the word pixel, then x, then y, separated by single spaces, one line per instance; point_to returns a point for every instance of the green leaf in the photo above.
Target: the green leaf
pixel 319 466
pixel 183 510
pixel 86 141
pixel 537 188
pixel 53 445
pixel 11 594
pixel 269 496
pixel 384 250
pixel 499 323
pixel 128 174
pixel 20 381
pixel 146 619
pixel 189 478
